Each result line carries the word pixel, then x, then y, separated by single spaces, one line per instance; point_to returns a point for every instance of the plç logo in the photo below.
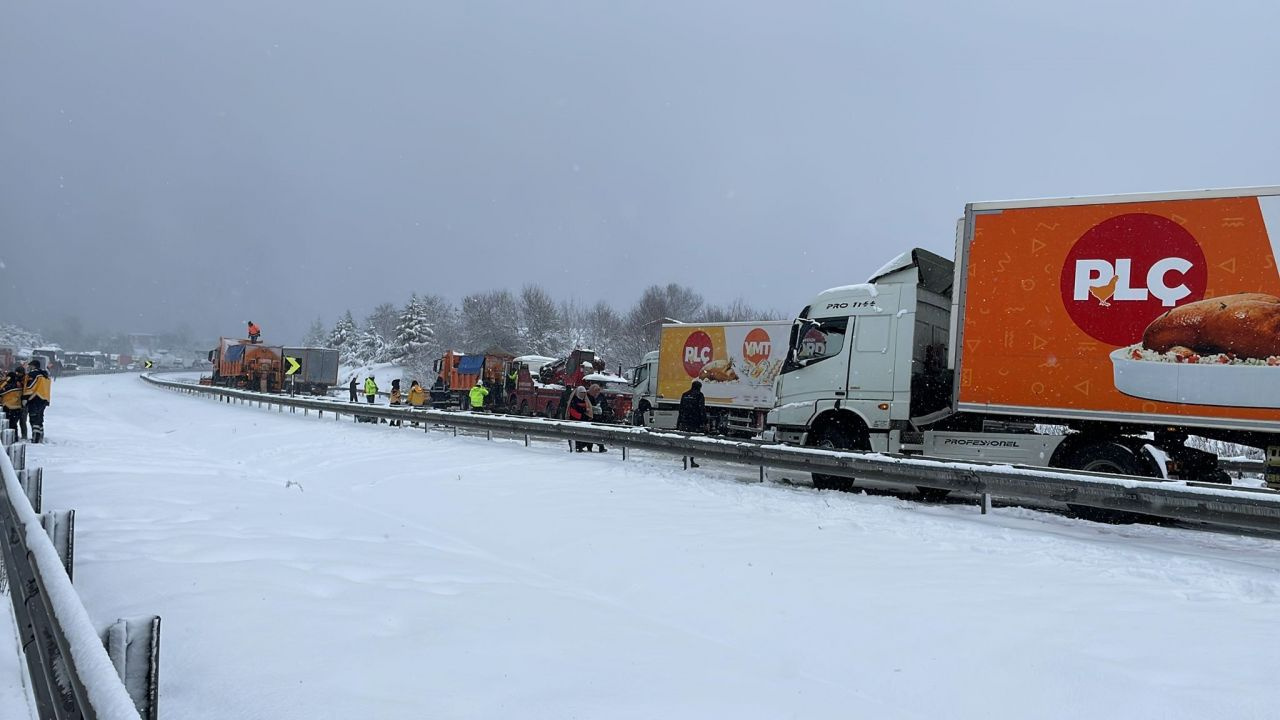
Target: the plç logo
pixel 756 347
pixel 697 352
pixel 1126 271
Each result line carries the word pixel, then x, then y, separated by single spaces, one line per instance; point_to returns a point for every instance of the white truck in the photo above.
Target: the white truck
pixel 1132 321
pixel 736 362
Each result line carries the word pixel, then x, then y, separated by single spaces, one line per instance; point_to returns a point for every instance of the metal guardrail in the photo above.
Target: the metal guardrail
pixel 65 656
pixel 1252 509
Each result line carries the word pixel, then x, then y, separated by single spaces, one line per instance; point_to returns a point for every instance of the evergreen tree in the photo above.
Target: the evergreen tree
pixel 414 335
pixel 316 335
pixel 343 338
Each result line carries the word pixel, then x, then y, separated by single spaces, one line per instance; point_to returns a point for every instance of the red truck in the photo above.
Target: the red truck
pixel 542 385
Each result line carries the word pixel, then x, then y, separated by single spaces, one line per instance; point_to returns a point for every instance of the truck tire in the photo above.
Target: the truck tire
pixel 1106 457
pixel 839 436
pixel 524 407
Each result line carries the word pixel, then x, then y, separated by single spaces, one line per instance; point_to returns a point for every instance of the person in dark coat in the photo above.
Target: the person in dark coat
pixel 354 390
pixel 693 412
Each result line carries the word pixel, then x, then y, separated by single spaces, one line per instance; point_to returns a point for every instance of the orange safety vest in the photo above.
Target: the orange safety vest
pixel 253 329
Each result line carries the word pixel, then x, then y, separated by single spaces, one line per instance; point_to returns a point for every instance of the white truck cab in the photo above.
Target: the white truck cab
pixel 865 359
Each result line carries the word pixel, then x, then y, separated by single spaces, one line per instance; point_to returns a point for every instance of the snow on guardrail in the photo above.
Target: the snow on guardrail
pixel 1252 509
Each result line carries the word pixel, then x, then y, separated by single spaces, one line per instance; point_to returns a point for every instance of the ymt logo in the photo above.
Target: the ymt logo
pixel 756 347
pixel 697 352
pixel 1126 271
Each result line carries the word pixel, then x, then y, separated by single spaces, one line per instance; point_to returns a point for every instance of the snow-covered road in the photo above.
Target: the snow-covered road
pixel 311 569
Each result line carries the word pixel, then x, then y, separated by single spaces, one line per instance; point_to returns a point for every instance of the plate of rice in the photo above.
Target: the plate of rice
pixel 1184 376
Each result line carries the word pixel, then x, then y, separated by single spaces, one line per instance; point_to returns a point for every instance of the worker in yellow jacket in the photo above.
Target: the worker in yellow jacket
pixel 36 395
pixel 11 399
pixel 477 395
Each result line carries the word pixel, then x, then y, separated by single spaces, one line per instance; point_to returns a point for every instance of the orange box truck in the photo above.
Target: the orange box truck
pixel 1130 321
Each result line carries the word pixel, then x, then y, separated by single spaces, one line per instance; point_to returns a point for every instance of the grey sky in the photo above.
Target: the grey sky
pixel 213 162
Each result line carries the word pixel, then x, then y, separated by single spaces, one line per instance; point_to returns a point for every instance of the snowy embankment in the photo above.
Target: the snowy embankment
pixel 310 568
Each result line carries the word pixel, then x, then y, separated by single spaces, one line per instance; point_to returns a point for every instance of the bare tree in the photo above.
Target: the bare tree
pixel 542 327
pixel 491 319
pixel 383 320
pixel 657 304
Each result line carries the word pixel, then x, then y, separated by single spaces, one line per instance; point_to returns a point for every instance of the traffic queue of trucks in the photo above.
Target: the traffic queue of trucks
pixel 1116 326
pixel 1132 321
pixel 250 365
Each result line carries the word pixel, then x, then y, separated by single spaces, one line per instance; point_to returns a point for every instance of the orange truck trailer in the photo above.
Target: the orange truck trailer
pixel 252 366
pixel 1129 323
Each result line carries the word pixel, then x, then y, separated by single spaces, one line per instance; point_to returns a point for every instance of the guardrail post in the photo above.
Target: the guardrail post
pixel 526 439
pixel 455 431
pixel 18 456
pixel 32 482
pixel 986 503
pixel 134 648
pixel 761 473
pixel 7 437
pixel 60 526
pixel 488 434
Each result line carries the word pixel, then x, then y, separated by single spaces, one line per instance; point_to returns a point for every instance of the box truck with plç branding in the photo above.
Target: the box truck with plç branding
pixel 736 362
pixel 1134 321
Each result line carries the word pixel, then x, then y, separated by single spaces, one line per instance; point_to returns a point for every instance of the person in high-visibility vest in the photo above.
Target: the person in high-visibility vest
pixel 37 398
pixel 417 395
pixel 11 399
pixel 477 395
pixel 370 389
pixel 254 332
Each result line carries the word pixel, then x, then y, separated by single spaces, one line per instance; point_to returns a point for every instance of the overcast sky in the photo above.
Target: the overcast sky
pixel 210 162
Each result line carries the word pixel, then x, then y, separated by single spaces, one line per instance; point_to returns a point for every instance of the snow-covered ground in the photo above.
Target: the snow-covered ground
pixel 16 702
pixel 309 568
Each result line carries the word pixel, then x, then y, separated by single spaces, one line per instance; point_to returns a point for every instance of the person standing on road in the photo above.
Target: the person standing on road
pixel 693 413
pixel 11 399
pixel 395 398
pixel 370 389
pixel 351 388
pixel 24 429
pixel 39 386
pixel 580 410
pixel 477 394
pixel 601 411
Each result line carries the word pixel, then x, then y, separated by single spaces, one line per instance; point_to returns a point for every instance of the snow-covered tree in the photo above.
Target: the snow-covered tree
pixel 19 338
pixel 343 338
pixel 370 347
pixel 491 319
pixel 657 304
pixel 384 319
pixel 316 335
pixel 414 335
pixel 543 325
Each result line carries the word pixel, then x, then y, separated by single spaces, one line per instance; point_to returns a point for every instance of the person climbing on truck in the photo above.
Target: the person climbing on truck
pixel 255 332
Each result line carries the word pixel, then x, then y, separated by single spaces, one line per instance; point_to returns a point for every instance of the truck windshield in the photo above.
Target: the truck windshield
pixel 821 340
pixel 639 374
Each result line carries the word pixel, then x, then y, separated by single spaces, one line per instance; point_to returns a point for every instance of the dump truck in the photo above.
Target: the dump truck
pixel 252 366
pixel 1128 323
pixel 317 370
pixel 457 373
pixel 736 362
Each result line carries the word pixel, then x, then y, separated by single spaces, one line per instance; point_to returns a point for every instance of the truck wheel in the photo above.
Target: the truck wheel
pixel 1106 458
pixel 524 407
pixel 838 437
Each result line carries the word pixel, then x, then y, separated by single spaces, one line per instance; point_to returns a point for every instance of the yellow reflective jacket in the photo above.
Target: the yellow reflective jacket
pixel 11 395
pixel 478 394
pixel 38 385
pixel 417 396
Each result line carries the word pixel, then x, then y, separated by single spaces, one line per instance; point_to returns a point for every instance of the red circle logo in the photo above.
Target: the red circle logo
pixel 1126 271
pixel 697 352
pixel 756 346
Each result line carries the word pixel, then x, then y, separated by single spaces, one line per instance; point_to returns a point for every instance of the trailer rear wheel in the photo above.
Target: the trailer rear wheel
pixel 1106 457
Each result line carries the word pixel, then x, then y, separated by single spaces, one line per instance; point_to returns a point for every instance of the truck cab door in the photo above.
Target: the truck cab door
pixel 871 370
